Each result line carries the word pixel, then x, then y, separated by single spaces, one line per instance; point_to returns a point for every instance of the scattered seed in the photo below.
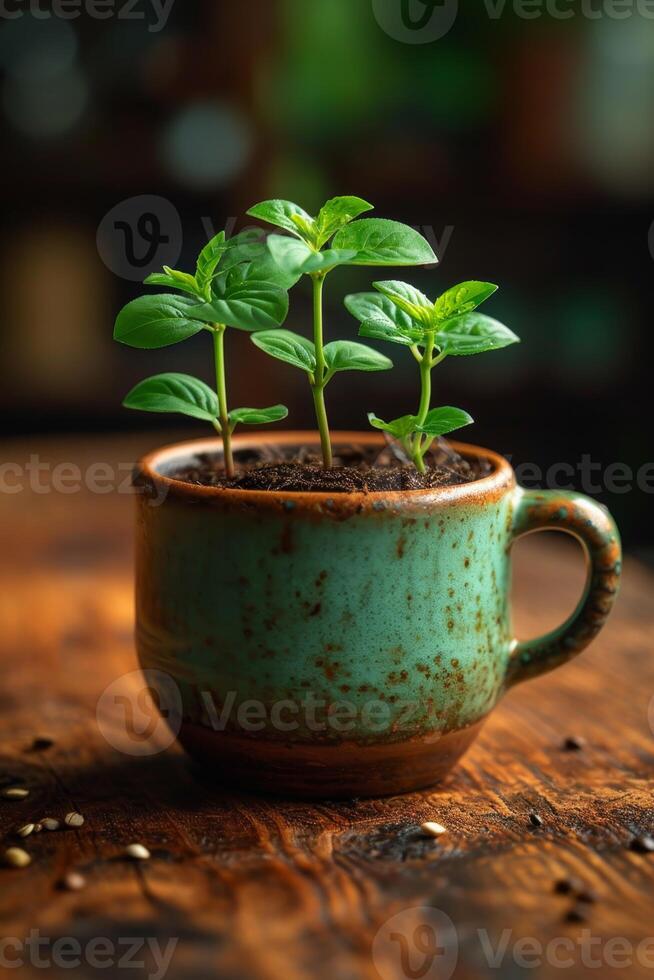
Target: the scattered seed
pixel 41 743
pixel 587 896
pixel 16 857
pixel 643 844
pixel 576 914
pixel 74 819
pixel 536 820
pixel 137 852
pixel 73 881
pixel 38 827
pixel 15 793
pixel 574 743
pixel 49 823
pixel 433 829
pixel 26 830
pixel 564 886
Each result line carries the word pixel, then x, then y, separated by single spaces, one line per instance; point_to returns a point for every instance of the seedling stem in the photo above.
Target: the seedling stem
pixel 221 390
pixel 319 378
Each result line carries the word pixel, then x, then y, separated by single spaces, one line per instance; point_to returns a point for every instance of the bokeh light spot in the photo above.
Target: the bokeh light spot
pixel 37 50
pixel 206 144
pixel 46 111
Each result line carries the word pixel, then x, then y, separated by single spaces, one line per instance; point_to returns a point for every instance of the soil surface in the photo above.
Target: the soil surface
pixel 357 469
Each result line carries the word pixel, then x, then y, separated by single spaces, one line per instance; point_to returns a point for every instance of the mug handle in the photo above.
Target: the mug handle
pixel 596 531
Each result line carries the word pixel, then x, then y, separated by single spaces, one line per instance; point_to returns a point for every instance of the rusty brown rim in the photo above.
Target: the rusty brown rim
pixel 489 487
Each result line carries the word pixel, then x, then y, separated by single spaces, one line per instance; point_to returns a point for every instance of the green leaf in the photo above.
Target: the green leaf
pixel 208 260
pixel 329 259
pixel 383 320
pixel 347 355
pixel 442 420
pixel 289 254
pixel 172 279
pixel 281 214
pixel 258 416
pixel 336 212
pixel 264 267
pixel 288 347
pixel 249 252
pixel 364 306
pixel 244 304
pixel 150 322
pixel 307 228
pixel 409 299
pixel 174 393
pixel 403 294
pixel 381 242
pixel 243 247
pixel 399 428
pixel 473 333
pixel 463 298
pixel 380 330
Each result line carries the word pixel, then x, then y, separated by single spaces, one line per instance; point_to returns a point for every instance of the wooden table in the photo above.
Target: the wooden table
pixel 255 888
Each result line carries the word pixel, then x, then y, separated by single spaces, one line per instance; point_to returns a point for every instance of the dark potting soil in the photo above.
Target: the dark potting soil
pixel 356 469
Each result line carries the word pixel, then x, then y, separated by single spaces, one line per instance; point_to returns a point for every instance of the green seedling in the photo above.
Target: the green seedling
pixel 450 326
pixel 236 284
pixel 316 246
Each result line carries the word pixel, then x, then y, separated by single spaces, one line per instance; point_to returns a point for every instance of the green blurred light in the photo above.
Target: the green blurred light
pixel 329 73
pixel 589 329
pixel 454 85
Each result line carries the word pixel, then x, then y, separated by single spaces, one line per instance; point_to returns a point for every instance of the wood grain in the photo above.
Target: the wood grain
pixel 256 888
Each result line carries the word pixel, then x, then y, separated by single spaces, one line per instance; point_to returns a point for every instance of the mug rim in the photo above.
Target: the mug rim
pixel 487 488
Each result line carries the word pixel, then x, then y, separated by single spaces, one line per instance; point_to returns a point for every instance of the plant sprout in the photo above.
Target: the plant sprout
pixel 401 314
pixel 369 241
pixel 236 284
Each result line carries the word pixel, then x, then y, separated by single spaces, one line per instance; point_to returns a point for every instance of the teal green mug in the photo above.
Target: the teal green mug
pixel 346 644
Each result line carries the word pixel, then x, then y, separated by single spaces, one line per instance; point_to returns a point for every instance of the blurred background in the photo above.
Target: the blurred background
pixel 521 147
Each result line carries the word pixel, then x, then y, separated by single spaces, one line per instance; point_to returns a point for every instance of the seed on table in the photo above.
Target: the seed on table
pixel 137 852
pixel 433 829
pixel 573 743
pixel 38 827
pixel 41 743
pixel 16 857
pixel 566 885
pixel 26 830
pixel 536 820
pixel 74 819
pixel 49 823
pixel 15 793
pixel 73 881
pixel 576 914
pixel 643 844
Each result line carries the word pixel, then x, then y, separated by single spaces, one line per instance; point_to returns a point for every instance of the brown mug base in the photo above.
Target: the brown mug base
pixel 325 771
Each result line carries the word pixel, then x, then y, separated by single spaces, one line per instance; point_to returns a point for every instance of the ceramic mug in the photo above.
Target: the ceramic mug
pixel 345 644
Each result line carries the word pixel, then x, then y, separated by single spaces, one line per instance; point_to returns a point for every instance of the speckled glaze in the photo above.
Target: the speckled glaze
pixel 345 644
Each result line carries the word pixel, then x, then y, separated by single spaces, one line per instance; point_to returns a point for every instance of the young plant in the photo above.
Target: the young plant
pixel 401 314
pixel 236 284
pixel 369 241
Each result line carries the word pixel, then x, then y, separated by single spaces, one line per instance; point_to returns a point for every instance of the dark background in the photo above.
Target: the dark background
pixel 523 148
